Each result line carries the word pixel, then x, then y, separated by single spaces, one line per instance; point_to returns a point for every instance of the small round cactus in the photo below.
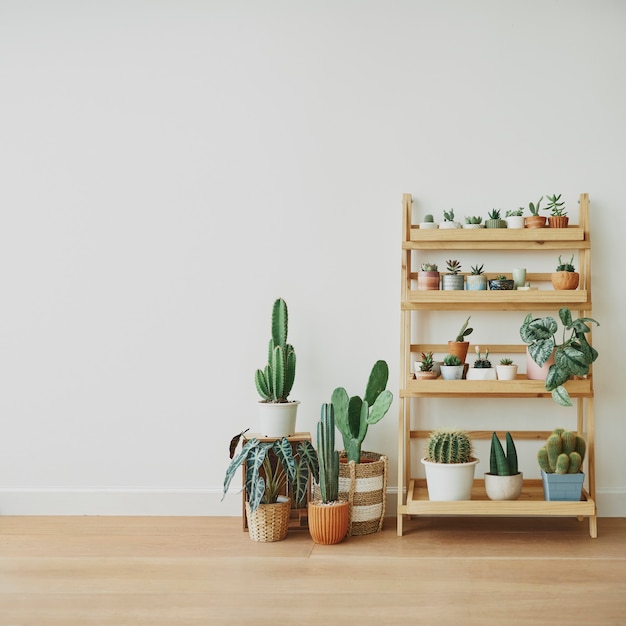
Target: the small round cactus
pixel 449 446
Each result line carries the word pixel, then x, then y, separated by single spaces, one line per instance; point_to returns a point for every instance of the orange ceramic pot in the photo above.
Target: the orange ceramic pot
pixel 565 280
pixel 558 221
pixel 535 221
pixel 459 348
pixel 328 523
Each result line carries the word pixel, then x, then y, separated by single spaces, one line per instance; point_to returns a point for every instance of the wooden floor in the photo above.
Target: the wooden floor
pixel 83 571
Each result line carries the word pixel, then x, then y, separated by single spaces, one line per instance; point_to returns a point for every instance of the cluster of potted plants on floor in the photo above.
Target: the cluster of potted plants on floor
pixel 278 474
pixel 450 466
pixel 513 218
pixel 429 278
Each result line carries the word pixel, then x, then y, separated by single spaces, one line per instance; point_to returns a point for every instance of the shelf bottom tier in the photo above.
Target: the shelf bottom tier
pixel 530 503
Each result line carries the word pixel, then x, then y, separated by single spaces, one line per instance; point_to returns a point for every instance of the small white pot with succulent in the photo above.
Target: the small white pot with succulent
pixel 515 218
pixel 481 369
pixel 448 220
pixel 473 221
pixel 428 223
pixel 506 369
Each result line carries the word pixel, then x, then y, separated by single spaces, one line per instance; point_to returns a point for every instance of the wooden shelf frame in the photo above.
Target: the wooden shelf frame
pixel 415 303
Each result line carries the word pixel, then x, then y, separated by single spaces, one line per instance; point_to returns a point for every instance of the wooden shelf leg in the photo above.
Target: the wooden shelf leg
pixel 593 526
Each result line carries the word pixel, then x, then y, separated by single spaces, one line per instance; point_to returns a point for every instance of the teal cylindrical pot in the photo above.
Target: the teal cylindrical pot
pixel 476 282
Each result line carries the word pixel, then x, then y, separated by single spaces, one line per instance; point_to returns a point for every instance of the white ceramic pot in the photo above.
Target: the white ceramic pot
pixel 449 225
pixel 451 372
pixel 277 419
pixel 449 481
pixel 515 221
pixel 473 226
pixel 506 372
pixel 504 487
pixel 428 225
pixel 481 373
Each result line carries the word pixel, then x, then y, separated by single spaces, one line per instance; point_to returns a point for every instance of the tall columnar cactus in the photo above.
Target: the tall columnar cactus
pixel 327 455
pixel 274 383
pixel 449 446
pixel 500 463
pixel 563 453
pixel 354 415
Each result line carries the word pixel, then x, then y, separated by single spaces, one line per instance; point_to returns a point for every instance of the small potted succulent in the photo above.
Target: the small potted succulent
pixel 494 220
pixel 453 281
pixel 452 367
pixel 476 279
pixel 271 470
pixel 426 368
pixel 481 368
pixel 558 215
pixel 515 218
pixel 501 283
pixel 274 382
pixel 448 220
pixel 473 221
pixel 534 220
pixel 565 276
pixel 561 460
pixel 504 480
pixel 428 277
pixel 459 346
pixel 428 223
pixel 449 464
pixel 572 357
pixel 506 369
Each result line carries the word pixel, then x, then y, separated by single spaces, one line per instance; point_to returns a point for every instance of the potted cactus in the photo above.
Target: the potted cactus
pixel 506 369
pixel 329 516
pixel 452 367
pixel 449 465
pixel 494 220
pixel 476 279
pixel 360 472
pixel 560 460
pixel 515 218
pixel 572 357
pixel 428 277
pixel 274 382
pixel 453 281
pixel 481 368
pixel 271 471
pixel 558 215
pixel 504 480
pixel 459 346
pixel 426 368
pixel 565 276
pixel 534 220
pixel 473 221
pixel 428 223
pixel 448 220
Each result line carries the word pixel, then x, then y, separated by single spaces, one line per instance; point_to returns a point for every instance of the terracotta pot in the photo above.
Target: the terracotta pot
pixel 419 375
pixel 328 523
pixel 427 281
pixel 558 221
pixel 459 348
pixel 565 280
pixel 535 221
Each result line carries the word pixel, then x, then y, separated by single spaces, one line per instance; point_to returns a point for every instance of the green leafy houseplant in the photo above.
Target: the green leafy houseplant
pixel 572 357
pixel 271 467
pixel 354 415
pixel 275 381
pixel 555 207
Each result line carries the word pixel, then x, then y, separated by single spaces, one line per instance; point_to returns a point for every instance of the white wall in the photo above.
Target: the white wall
pixel 171 167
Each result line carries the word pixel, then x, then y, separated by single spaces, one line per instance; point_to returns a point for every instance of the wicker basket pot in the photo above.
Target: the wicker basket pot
pixel 364 486
pixel 270 522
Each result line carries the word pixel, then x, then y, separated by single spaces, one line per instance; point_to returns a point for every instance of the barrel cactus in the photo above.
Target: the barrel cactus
pixel 275 381
pixel 563 453
pixel 449 446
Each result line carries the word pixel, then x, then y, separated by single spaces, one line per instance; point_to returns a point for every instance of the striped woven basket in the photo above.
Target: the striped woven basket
pixel 364 485
pixel 270 522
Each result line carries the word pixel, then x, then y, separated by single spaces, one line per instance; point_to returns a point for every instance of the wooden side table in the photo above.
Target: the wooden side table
pixel 298 518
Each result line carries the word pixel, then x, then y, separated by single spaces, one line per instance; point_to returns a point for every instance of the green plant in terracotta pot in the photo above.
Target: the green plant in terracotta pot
pixel 459 346
pixel 572 357
pixel 565 276
pixel 558 215
pixel 535 220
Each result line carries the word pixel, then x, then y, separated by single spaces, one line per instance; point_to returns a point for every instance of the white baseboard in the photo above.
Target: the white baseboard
pixel 192 502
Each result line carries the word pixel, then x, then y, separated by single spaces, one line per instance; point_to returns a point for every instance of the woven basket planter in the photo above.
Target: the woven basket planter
pixel 364 486
pixel 270 522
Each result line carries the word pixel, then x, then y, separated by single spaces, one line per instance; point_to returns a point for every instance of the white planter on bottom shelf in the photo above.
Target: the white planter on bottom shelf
pixel 449 481
pixel 278 419
pixel 504 487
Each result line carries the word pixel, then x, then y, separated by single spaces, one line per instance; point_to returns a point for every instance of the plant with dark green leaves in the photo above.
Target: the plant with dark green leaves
pixel 563 452
pixel 566 267
pixel 465 331
pixel 555 207
pixel 274 383
pixel 272 469
pixel 535 208
pixel 354 415
pixel 449 446
pixel 453 266
pixel 327 455
pixel 494 214
pixel 502 464
pixel 572 357
pixel 477 270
